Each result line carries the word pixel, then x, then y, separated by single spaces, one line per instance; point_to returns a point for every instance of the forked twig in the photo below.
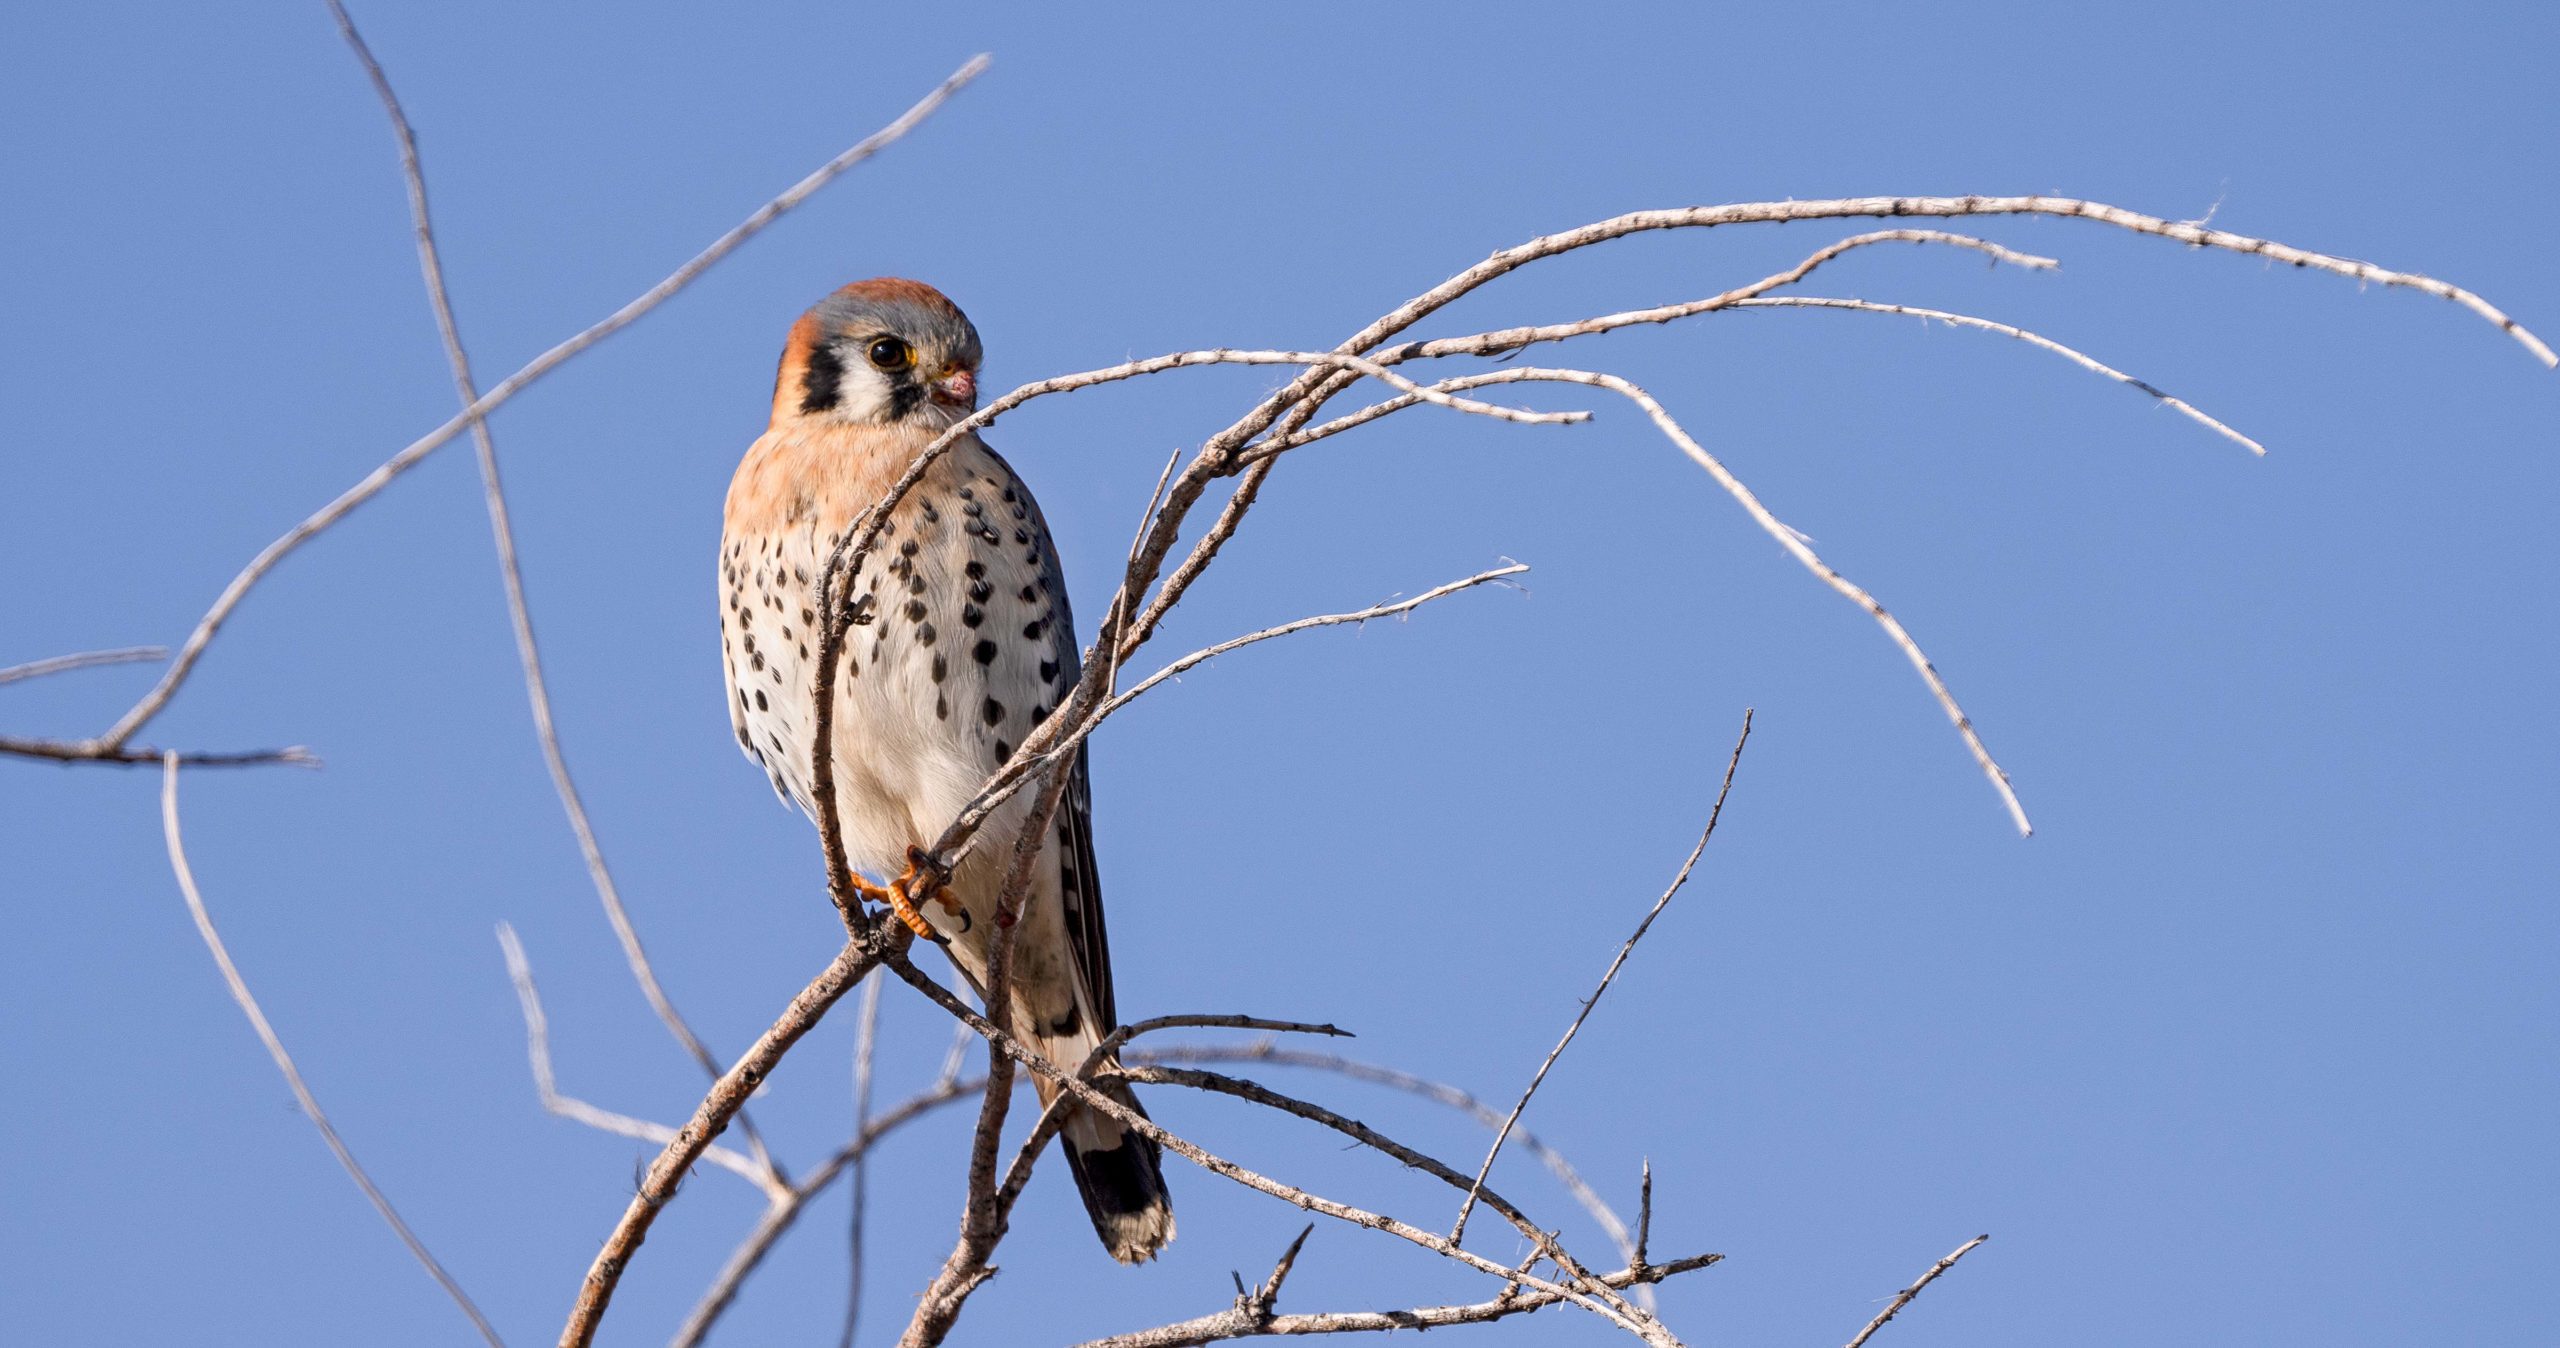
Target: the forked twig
pixel 546 1083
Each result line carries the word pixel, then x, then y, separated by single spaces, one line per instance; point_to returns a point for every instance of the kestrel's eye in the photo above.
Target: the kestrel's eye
pixel 891 354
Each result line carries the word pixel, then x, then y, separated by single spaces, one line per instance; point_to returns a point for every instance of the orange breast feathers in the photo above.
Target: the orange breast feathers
pixel 819 474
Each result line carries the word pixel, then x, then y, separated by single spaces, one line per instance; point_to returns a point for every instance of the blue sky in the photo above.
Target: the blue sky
pixel 2252 1043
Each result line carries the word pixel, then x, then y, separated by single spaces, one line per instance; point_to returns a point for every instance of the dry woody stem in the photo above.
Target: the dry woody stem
pixel 1227 470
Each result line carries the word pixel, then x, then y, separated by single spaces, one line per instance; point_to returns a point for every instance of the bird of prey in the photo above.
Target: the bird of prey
pixel 968 646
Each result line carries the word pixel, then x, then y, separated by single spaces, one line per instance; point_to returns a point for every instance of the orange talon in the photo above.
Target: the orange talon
pixel 922 883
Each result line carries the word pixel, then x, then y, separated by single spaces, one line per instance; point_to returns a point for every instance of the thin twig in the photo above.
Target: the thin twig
pixel 1508 340
pixel 1904 1299
pixel 1625 1318
pixel 519 612
pixel 1545 1242
pixel 1034 755
pixel 135 755
pixel 63 664
pixel 1458 1230
pixel 546 1084
pixel 866 1038
pixel 779 1216
pixel 284 1061
pixel 1611 1224
pixel 1230 1324
pixel 727 1096
pixel 157 699
pixel 2084 361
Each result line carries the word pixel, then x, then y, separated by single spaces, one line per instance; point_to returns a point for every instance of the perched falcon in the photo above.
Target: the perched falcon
pixel 969 645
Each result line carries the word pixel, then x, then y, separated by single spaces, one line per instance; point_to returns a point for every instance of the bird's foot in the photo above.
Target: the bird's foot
pixel 922 883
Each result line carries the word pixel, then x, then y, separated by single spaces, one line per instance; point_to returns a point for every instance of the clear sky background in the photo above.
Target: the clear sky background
pixel 2253 1043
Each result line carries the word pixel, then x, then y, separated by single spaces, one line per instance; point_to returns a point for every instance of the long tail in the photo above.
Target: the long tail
pixel 1119 1172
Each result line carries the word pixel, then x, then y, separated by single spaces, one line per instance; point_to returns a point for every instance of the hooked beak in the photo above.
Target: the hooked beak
pixel 956 387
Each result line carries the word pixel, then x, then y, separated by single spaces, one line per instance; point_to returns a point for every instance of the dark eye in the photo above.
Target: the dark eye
pixel 891 354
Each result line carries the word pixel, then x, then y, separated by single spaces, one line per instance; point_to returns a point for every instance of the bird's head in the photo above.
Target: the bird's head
pixel 883 352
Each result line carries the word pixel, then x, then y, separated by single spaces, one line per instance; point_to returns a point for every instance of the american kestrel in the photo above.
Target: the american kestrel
pixel 968 646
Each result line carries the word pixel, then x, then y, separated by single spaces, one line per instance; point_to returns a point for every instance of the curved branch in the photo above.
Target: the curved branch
pixel 2086 362
pixel 274 1043
pixel 537 689
pixel 157 699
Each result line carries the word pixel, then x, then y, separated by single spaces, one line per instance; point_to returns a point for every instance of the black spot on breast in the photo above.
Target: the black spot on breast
pixel 1034 628
pixel 1004 750
pixel 924 633
pixel 941 708
pixel 907 549
pixel 939 668
pixel 823 382
pixel 761 704
pixel 971 615
pixel 916 610
pixel 984 652
pixel 993 711
pixel 1048 671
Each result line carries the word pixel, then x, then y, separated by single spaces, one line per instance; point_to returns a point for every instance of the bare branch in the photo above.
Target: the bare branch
pixel 63 664
pixel 1036 754
pixel 1794 542
pixel 1232 1324
pixel 1625 1318
pixel 546 1084
pixel 1458 1230
pixel 1611 1224
pixel 130 755
pixel 866 1041
pixel 1513 339
pixel 519 612
pixel 1545 1243
pixel 2089 363
pixel 728 1095
pixel 1644 1217
pixel 157 699
pixel 284 1061
pixel 1904 1299
pixel 779 1216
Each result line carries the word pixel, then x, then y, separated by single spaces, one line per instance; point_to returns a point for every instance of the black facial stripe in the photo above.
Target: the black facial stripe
pixel 904 394
pixel 821 386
